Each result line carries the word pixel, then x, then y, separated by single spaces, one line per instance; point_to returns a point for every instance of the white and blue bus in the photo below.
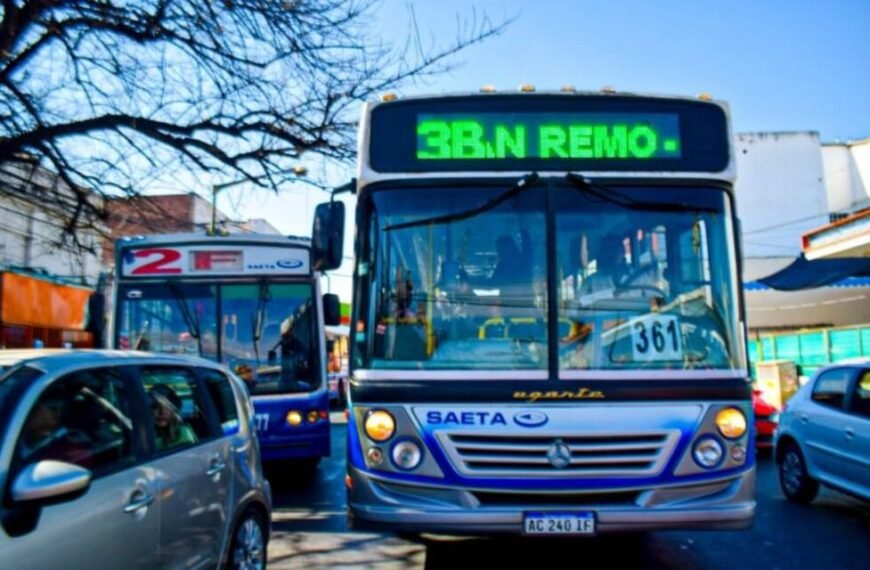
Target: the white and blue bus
pixel 249 301
pixel 548 325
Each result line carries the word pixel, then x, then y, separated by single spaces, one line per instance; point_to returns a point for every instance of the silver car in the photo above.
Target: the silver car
pixel 129 460
pixel 824 434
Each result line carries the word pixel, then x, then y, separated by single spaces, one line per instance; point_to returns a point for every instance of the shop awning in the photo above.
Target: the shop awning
pixel 805 274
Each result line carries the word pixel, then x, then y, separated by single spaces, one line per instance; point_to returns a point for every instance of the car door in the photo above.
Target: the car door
pixel 233 447
pixel 856 436
pixel 820 422
pixel 87 418
pixel 192 465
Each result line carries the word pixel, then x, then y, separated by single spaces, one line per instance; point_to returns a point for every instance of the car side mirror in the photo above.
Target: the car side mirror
pixel 50 481
pixel 327 236
pixel 331 309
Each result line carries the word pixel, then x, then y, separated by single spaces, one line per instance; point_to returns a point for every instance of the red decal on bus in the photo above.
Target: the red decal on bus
pixel 158 267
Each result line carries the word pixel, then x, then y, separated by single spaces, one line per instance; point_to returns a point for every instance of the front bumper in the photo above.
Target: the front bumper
pixel 727 504
pixel 298 446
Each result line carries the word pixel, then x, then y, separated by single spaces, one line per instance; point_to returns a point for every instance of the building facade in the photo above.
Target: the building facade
pixel 798 196
pixel 167 214
pixel 50 263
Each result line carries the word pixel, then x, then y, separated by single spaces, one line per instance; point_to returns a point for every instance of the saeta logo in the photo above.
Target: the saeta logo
pixel 530 419
pixel 289 263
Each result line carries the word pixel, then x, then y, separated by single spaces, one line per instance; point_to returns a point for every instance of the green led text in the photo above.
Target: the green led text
pixel 463 139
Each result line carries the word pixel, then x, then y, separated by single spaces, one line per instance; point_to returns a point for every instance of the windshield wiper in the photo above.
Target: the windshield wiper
pixel 614 196
pixel 263 298
pixel 190 320
pixel 521 184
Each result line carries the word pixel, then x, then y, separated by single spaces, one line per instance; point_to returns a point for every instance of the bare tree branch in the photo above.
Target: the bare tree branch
pixel 107 93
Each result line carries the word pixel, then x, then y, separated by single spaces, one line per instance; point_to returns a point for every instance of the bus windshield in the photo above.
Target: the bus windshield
pixel 265 332
pixel 645 278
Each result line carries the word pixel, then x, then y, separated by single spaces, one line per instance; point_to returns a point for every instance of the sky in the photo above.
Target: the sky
pixel 792 65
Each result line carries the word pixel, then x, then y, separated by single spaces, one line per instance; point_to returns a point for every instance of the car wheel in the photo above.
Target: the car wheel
pixel 796 483
pixel 248 548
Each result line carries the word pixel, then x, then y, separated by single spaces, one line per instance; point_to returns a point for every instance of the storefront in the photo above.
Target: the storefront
pixel 37 311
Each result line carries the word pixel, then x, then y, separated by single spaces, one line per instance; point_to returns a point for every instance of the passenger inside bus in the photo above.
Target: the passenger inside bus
pixel 614 274
pixel 513 263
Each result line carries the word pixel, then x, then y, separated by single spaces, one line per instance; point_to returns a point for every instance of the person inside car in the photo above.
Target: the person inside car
pixel 170 428
pixel 46 437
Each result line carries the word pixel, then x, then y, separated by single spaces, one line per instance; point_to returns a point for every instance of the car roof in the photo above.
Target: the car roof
pixel 859 361
pixel 12 356
pixel 53 361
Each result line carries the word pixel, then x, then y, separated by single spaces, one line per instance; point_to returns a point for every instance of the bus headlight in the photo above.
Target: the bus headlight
pixel 294 418
pixel 708 452
pixel 406 454
pixel 731 423
pixel 380 425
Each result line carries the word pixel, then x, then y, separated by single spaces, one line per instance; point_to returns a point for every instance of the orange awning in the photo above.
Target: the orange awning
pixel 32 301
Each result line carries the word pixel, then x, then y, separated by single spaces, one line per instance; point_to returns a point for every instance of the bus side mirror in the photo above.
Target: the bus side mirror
pixel 327 236
pixel 273 357
pixel 331 310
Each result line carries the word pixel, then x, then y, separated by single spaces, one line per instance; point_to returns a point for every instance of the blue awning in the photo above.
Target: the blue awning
pixel 804 274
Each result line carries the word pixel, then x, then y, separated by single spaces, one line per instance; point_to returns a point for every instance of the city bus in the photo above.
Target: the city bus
pixel 249 301
pixel 547 318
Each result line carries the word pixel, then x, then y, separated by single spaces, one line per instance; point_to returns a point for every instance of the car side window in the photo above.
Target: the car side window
pixel 830 387
pixel 861 396
pixel 177 412
pixel 83 418
pixel 221 393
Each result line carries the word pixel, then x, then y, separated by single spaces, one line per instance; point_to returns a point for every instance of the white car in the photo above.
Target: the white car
pixel 824 434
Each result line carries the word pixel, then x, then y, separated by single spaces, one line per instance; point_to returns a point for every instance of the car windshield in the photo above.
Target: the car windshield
pixel 265 332
pixel 645 279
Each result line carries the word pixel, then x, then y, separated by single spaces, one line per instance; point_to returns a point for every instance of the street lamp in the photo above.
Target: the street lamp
pixel 215 188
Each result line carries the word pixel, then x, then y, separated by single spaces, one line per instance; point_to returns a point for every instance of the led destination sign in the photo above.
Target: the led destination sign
pixel 548 136
pixel 495 133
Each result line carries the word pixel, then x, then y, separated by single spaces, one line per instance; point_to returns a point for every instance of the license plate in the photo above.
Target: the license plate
pixel 582 522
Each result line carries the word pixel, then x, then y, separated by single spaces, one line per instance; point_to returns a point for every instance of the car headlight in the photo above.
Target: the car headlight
pixel 406 454
pixel 380 425
pixel 731 423
pixel 708 452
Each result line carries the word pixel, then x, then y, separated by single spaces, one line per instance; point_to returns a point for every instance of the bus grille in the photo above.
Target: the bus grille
pixel 560 455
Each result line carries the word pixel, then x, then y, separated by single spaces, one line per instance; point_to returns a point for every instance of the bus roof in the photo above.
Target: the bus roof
pixel 703 98
pixel 203 237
